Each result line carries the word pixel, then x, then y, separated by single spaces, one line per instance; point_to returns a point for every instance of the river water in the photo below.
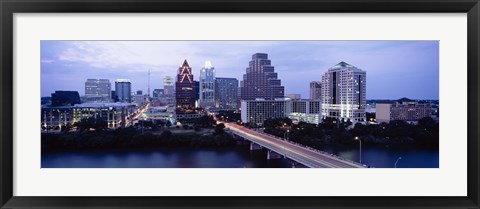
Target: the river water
pixel 231 157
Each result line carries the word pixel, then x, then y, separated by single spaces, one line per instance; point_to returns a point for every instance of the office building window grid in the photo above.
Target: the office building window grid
pixel 344 93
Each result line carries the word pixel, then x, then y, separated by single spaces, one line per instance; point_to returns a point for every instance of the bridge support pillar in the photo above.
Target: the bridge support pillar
pixel 273 155
pixel 254 146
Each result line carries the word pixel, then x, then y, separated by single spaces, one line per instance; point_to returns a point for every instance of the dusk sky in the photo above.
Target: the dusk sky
pixel 394 69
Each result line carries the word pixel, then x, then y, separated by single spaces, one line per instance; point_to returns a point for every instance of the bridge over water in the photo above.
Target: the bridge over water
pixel 304 155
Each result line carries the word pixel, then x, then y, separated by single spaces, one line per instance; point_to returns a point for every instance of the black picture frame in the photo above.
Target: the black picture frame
pixel 10 7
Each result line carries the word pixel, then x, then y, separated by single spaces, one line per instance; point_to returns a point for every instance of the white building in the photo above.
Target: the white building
pixel 207 85
pixel 139 99
pixel 344 93
pixel 169 91
pixel 97 90
pixel 257 111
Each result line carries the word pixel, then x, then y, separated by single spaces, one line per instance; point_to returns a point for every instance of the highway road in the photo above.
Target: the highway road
pixel 301 154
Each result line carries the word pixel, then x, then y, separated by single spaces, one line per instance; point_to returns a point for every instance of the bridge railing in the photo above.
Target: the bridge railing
pixel 278 150
pixel 313 149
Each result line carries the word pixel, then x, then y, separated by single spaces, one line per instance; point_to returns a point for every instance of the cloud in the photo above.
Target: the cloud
pixel 296 62
pixel 47 61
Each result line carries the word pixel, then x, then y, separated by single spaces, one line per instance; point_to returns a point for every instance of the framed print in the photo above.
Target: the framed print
pixel 235 104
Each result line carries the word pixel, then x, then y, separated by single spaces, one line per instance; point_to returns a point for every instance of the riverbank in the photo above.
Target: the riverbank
pixel 131 138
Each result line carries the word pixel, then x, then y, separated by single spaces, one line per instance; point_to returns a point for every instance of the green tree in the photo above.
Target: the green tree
pixel 66 128
pixel 219 129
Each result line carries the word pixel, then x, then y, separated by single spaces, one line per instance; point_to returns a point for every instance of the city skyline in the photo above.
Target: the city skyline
pixel 411 65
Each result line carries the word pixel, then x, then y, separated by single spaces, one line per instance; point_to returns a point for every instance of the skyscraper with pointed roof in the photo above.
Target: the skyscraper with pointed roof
pixel 185 87
pixel 344 93
pixel 261 80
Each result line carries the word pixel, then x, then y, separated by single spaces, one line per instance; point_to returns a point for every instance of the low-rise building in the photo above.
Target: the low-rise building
pixel 403 109
pixel 115 114
pixel 294 96
pixel 309 111
pixel 65 98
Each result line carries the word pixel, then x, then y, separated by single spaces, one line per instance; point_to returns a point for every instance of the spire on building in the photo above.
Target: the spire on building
pixel 208 64
pixel 343 64
pixel 185 87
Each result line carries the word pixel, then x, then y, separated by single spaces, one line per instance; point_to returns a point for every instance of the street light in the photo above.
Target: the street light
pixel 399 158
pixel 285 135
pixel 358 139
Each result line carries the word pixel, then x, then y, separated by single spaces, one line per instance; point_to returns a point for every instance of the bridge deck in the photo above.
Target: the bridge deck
pixel 304 155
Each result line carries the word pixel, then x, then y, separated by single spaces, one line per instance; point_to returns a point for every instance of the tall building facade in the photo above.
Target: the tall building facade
pixel 259 110
pixel 226 90
pixel 316 90
pixel 139 98
pixel 123 89
pixel 207 85
pixel 344 93
pixel 158 95
pixel 169 90
pixel 260 80
pixel 97 90
pixel 196 85
pixel 185 87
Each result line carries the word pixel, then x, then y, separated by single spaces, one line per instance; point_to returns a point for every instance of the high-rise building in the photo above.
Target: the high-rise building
pixel 226 90
pixel 123 88
pixel 258 110
pixel 315 90
pixel 97 90
pixel 207 85
pixel 196 85
pixel 260 80
pixel 185 88
pixel 158 95
pixel 139 98
pixel 169 90
pixel 344 93
pixel 114 96
pixel 168 85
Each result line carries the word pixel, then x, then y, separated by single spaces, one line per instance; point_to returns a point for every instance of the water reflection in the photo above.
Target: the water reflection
pixel 237 157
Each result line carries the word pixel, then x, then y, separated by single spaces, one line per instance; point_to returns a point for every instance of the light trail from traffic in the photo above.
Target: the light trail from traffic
pixel 304 155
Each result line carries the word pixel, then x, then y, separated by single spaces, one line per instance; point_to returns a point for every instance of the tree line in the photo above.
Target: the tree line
pixel 425 134
pixel 130 138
